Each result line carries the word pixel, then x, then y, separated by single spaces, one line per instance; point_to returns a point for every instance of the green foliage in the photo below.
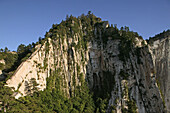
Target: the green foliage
pixel 24 52
pixel 124 110
pixel 21 48
pixel 1 66
pixel 19 85
pixel 26 57
pixel 78 69
pixel 81 79
pixel 132 108
pixel 45 63
pixel 10 59
pixel 6 50
pixel 53 100
pixel 47 48
pixel 106 85
pixel 74 80
pixel 1 56
pixel 125 48
pixel 101 105
pixel 14 59
pixel 50 100
pixel 162 35
pixel 127 42
pixel 110 32
pixel 34 84
pixel 83 26
pixel 5 96
pixel 162 95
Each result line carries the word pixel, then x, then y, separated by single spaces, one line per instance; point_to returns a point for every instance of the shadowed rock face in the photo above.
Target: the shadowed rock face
pixel 133 79
pixel 161 59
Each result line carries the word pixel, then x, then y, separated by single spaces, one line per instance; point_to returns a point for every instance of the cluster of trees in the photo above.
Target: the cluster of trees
pixel 14 59
pixel 9 58
pixel 24 52
pixel 4 50
pixel 82 25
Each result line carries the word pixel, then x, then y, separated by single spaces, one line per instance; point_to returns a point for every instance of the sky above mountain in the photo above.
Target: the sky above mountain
pixel 24 21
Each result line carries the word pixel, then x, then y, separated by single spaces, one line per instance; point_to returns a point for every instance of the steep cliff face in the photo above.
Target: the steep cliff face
pixel 35 68
pixel 161 56
pixel 127 82
pixel 117 65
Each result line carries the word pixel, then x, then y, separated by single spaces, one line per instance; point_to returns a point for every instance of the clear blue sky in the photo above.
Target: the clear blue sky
pixel 23 21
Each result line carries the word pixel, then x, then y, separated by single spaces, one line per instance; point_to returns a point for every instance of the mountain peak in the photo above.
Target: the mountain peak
pixel 84 64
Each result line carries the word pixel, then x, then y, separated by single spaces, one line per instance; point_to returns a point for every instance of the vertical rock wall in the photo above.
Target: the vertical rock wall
pixel 133 80
pixel 33 69
pixel 161 58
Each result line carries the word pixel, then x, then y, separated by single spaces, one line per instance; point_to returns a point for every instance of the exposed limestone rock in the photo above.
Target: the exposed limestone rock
pixel 33 67
pixel 139 85
pixel 161 58
pixel 140 42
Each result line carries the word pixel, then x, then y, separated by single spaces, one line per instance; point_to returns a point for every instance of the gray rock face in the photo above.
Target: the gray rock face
pixel 133 80
pixel 32 68
pixel 161 59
